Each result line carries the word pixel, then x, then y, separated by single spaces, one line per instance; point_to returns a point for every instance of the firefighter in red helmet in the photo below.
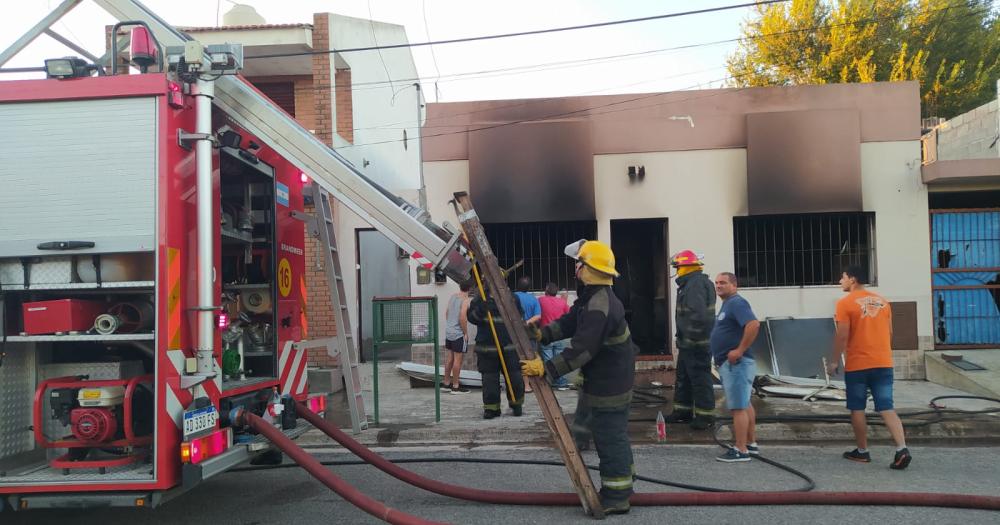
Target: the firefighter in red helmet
pixel 694 398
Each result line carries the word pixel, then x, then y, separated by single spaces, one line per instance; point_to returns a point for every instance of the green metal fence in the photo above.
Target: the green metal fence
pixel 405 320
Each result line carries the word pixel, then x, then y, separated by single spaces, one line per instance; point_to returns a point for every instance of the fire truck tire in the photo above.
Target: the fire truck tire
pixel 271 457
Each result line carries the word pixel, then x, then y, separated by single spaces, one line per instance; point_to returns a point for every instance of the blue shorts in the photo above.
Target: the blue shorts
pixel 878 380
pixel 737 381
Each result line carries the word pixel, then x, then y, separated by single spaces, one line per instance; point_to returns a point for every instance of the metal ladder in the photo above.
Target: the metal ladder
pixel 324 230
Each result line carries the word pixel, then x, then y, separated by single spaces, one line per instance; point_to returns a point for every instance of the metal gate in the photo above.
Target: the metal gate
pixel 965 261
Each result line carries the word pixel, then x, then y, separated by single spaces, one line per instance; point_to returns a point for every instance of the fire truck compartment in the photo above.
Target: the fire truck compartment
pixel 69 177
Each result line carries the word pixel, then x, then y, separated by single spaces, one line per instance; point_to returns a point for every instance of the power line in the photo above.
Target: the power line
pixel 487 73
pixel 687 46
pixel 596 107
pixel 523 33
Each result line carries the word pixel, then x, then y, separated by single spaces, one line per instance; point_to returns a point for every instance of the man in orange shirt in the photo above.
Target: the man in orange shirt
pixel 864 329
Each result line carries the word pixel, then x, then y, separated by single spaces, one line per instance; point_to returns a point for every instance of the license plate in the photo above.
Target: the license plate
pixel 200 420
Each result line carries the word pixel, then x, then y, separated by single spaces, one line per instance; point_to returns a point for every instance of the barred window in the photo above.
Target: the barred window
pixel 540 245
pixel 802 249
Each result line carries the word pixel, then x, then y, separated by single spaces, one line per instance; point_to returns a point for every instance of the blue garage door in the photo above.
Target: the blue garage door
pixel 965 253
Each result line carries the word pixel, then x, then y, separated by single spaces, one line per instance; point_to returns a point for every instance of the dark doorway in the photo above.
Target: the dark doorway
pixel 640 247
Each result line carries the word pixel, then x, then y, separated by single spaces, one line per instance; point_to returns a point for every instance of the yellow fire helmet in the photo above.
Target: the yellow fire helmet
pixel 594 254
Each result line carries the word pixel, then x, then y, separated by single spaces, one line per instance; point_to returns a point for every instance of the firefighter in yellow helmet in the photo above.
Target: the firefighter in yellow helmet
pixel 601 347
pixel 694 398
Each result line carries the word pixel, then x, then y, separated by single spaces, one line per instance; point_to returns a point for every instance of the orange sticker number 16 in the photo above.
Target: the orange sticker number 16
pixel 284 277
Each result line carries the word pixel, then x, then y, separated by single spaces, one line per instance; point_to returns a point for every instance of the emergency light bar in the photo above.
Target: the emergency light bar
pixel 206 447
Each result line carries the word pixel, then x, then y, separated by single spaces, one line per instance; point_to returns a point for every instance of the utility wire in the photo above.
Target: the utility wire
pixel 524 33
pixel 403 125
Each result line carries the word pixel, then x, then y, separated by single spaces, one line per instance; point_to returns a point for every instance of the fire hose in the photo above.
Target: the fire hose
pixel 388 514
pixel 331 480
pixel 651 499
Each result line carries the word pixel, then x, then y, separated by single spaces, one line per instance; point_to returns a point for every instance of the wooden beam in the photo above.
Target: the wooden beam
pixel 494 277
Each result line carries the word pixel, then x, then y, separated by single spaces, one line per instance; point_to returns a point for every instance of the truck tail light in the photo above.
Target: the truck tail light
pixel 206 447
pixel 175 95
pixel 317 404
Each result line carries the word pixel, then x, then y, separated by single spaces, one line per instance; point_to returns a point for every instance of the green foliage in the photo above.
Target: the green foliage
pixel 952 47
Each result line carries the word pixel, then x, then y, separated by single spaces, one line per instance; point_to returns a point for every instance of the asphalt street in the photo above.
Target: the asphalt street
pixel 292 496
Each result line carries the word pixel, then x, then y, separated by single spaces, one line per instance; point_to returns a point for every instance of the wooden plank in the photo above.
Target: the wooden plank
pixel 493 275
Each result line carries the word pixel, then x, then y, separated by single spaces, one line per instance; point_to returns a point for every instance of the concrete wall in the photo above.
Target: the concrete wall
pixel 382 111
pixel 971 135
pixel 700 192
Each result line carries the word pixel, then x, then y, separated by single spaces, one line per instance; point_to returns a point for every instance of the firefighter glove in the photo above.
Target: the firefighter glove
pixel 533 367
pixel 534 332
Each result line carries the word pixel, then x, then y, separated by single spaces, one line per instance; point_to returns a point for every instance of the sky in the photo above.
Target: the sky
pixel 558 64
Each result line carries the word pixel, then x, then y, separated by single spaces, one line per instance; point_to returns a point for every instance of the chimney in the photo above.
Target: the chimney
pixel 242 15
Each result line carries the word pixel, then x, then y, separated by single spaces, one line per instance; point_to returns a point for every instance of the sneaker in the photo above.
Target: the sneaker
pixel 562 388
pixel 901 460
pixel 459 390
pixel 860 457
pixel 733 456
pixel 682 416
pixel 615 507
pixel 517 410
pixel 490 414
pixel 753 450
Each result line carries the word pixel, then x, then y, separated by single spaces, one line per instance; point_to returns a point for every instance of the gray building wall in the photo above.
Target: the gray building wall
pixel 971 135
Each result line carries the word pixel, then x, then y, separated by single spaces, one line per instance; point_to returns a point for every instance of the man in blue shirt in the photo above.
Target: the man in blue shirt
pixel 735 330
pixel 530 308
pixel 529 303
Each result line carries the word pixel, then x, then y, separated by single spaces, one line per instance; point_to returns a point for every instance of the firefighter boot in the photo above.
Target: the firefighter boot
pixel 679 416
pixel 615 507
pixel 702 422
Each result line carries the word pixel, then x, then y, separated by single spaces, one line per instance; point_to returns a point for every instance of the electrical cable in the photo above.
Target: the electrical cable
pixel 526 33
pixel 810 484
pixel 486 73
pixel 564 114
pixel 641 499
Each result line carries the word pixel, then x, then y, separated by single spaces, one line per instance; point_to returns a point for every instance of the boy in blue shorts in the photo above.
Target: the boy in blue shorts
pixel 735 330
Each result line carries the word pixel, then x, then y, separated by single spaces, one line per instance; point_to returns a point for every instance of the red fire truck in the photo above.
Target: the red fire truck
pixel 151 268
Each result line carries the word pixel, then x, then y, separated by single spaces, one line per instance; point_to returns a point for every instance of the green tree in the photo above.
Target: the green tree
pixel 952 47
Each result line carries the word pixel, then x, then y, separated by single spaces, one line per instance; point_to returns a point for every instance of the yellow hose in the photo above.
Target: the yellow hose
pixel 493 329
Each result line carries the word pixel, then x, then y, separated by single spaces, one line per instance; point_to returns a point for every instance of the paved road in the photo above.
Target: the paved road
pixel 291 496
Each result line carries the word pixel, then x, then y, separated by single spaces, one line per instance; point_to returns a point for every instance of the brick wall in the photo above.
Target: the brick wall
pixel 908 364
pixel 319 314
pixel 345 104
pixel 322 96
pixel 314 107
pixel 971 135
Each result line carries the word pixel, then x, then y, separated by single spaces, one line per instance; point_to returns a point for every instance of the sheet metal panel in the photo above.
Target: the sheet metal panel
pixel 801 344
pixel 17 388
pixel 78 170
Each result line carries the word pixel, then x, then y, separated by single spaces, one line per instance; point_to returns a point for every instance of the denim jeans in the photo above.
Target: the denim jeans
pixel 551 350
